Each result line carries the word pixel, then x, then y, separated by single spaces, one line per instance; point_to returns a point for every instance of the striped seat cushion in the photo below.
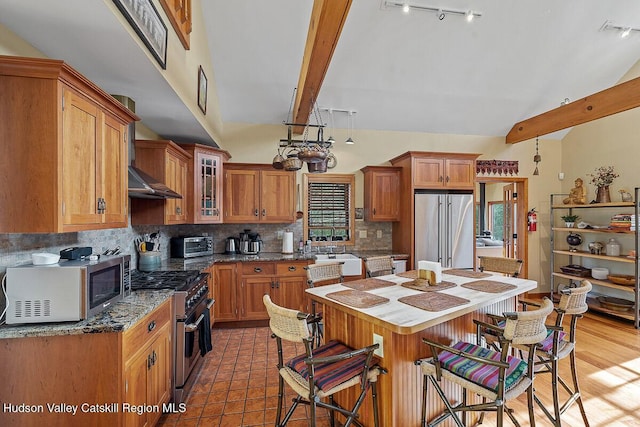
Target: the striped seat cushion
pixel 480 373
pixel 547 344
pixel 329 375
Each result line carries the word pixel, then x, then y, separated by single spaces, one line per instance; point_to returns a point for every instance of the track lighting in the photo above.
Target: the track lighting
pixel 441 13
pixel 625 32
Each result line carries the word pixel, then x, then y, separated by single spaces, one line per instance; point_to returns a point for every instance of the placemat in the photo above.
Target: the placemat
pixel 423 285
pixel 489 286
pixel 433 301
pixel 411 274
pixel 467 273
pixel 368 284
pixel 357 299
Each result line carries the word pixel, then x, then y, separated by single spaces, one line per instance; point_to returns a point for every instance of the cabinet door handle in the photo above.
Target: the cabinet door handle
pixel 277 284
pixel 255 213
pixel 374 211
pixel 440 178
pixel 151 326
pixel 257 270
pixel 447 178
pixel 178 210
pixel 273 285
pixel 292 268
pixel 149 362
pixel 264 212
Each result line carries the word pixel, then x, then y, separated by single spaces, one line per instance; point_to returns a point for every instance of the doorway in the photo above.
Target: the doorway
pixel 501 212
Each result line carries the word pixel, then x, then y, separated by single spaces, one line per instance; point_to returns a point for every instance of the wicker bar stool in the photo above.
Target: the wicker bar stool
pixel 379 266
pixel 509 266
pixel 496 376
pixel 319 274
pixel 318 373
pixel 561 344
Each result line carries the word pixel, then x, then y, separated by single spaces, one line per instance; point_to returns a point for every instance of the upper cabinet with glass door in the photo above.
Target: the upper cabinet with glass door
pixel 204 189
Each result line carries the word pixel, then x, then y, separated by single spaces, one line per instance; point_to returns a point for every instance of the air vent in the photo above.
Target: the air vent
pixel 32 308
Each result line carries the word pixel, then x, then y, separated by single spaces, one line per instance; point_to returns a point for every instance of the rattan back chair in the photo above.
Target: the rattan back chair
pixel 561 344
pixel 508 266
pixel 496 376
pixel 318 373
pixel 379 266
pixel 319 274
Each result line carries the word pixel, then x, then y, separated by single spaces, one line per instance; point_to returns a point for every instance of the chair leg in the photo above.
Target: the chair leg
pixel 576 387
pixel 332 414
pixel 280 400
pixel 554 390
pixel 374 396
pixel 444 399
pixel 532 419
pixel 423 418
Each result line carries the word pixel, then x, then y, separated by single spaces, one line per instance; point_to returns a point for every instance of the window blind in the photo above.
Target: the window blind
pixel 328 210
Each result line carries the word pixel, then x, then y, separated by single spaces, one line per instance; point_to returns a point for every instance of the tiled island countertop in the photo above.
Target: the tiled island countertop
pixel 120 317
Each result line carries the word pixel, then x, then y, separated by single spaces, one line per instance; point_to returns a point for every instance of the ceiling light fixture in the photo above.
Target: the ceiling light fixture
pixel 350 118
pixel 469 16
pixel 441 13
pixel 625 31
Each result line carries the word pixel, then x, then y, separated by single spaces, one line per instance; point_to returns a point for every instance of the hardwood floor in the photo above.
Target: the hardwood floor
pixel 238 386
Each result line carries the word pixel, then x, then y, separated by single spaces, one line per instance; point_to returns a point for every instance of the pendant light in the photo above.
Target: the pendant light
pixel 537 158
pixel 331 140
pixel 350 140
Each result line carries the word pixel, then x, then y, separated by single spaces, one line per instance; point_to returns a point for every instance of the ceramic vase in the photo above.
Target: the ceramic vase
pixel 602 194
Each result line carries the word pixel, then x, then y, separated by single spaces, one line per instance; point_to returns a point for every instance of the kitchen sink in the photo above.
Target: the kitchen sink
pixel 352 264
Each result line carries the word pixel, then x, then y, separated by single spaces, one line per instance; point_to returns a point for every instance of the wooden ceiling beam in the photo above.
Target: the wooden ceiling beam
pixel 616 99
pixel 327 20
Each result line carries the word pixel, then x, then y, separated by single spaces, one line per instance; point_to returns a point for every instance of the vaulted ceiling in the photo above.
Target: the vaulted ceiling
pixel 397 71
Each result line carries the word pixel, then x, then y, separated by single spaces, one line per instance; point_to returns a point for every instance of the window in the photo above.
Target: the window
pixel 496 220
pixel 329 214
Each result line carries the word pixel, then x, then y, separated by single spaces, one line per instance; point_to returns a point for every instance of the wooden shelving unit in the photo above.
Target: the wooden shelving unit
pixel 562 250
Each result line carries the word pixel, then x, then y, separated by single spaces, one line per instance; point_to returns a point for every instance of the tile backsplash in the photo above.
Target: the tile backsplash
pixel 17 248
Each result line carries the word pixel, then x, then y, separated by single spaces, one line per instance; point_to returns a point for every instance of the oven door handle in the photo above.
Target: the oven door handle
pixel 192 327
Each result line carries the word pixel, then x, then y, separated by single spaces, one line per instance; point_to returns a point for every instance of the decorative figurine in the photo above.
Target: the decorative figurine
pixel 577 195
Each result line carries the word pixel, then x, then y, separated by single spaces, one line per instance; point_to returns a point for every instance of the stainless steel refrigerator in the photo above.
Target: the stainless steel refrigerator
pixel 444 229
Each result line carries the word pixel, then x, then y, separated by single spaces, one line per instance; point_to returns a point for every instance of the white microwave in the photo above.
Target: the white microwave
pixel 66 291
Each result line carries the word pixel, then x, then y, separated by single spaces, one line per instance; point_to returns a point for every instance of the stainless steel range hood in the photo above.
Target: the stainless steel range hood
pixel 144 186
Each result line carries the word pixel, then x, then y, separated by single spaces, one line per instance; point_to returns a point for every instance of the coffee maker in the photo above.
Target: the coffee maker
pixel 250 243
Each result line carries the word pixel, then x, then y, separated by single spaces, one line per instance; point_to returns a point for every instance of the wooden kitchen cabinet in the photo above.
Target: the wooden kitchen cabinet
pixel 381 193
pixel 148 365
pixel 239 288
pixel 225 285
pixel 165 161
pixel 204 183
pixel 64 150
pixel 258 193
pixel 449 173
pixel 111 369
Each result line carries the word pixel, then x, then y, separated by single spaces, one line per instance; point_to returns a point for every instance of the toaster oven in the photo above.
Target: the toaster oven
pixel 193 246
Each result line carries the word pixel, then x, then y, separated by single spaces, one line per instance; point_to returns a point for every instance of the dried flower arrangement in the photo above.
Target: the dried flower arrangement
pixel 603 176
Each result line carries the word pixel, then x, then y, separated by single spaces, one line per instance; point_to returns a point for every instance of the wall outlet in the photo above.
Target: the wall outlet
pixel 379 234
pixel 363 234
pixel 377 339
pixel 280 234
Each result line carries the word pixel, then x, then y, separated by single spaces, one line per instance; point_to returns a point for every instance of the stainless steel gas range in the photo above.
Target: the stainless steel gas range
pixel 192 332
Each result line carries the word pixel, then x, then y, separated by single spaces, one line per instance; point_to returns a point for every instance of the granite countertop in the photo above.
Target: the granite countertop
pixel 204 262
pixel 118 318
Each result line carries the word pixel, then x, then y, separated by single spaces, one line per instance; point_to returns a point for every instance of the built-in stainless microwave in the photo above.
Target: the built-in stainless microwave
pixel 66 291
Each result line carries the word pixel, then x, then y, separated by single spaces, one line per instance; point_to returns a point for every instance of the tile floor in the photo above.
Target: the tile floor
pixel 238 384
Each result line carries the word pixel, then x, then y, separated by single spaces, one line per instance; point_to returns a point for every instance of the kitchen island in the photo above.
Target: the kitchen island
pixel 400 327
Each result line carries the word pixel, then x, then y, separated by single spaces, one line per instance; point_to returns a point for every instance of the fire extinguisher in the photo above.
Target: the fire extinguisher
pixel 532 220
